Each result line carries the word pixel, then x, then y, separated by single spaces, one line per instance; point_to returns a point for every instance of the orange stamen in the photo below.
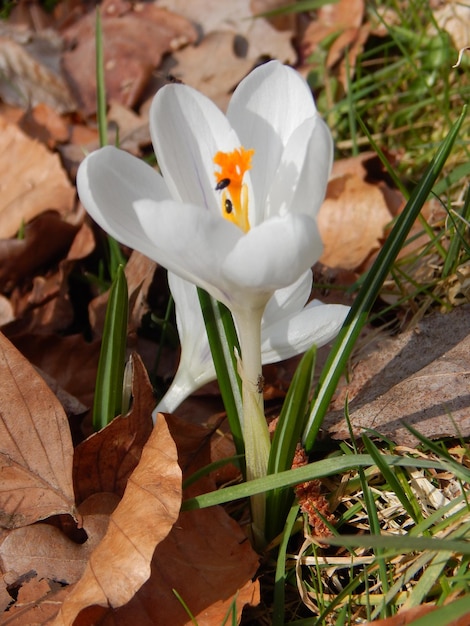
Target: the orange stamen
pixel 234 201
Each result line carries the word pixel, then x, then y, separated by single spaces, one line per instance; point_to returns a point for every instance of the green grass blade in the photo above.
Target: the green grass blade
pixel 108 391
pixel 286 437
pixel 222 341
pixel 399 544
pixel 319 469
pixel 280 577
pixel 100 82
pixel 367 295
pixel 390 478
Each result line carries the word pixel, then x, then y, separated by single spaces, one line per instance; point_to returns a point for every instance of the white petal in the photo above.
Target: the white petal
pixel 288 300
pixel 311 188
pixel 195 351
pixel 265 109
pixel 109 182
pixel 274 254
pixel 301 180
pixel 316 324
pixel 187 131
pixel 191 242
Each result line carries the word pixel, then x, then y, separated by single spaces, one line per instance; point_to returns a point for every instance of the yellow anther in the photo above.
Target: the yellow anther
pixel 234 197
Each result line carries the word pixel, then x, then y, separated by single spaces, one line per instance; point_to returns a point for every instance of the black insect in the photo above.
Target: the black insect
pixel 222 184
pixel 228 206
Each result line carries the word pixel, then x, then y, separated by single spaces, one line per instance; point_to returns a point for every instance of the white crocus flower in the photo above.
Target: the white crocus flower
pixel 233 212
pixel 288 328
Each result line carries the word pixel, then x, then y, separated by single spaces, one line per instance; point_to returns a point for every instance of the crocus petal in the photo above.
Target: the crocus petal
pixel 299 184
pixel 187 131
pixel 288 300
pixel 316 324
pixel 290 245
pixel 109 182
pixel 191 242
pixel 265 109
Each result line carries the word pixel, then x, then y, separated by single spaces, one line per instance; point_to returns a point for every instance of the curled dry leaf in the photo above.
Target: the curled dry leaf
pixel 32 180
pixel 104 461
pixel 35 445
pixel 353 218
pixel 121 563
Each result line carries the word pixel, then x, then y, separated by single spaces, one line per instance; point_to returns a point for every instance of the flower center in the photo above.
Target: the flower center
pixel 234 197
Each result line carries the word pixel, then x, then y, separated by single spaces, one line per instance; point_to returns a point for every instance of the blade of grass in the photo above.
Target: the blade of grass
pixel 398 544
pixel 318 469
pixel 373 517
pixel 390 477
pixel 285 440
pixel 280 576
pixel 223 340
pixel 366 297
pixel 100 82
pixel 109 378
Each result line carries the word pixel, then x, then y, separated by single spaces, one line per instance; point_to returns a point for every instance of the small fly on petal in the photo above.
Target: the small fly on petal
pixel 222 184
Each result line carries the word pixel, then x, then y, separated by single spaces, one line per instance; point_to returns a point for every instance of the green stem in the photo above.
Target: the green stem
pixel 255 429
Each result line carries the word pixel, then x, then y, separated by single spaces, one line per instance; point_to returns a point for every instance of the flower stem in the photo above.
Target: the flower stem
pixel 255 429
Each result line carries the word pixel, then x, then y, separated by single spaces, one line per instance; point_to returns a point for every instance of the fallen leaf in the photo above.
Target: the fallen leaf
pixel 200 67
pixel 342 24
pixel 403 618
pixel 30 69
pixel 233 43
pixel 32 180
pixel 71 361
pixel 208 560
pixel 353 217
pixel 47 238
pixel 35 445
pixel 418 378
pixel 135 39
pixel 44 123
pixel 454 17
pixel 121 563
pixel 105 460
pixel 48 552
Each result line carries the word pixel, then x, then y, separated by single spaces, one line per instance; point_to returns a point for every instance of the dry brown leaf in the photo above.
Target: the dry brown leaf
pixel 104 461
pixel 353 217
pixel 454 17
pixel 208 560
pixel 233 43
pixel 200 66
pixel 150 505
pixel 71 361
pixel 46 239
pixel 139 273
pixel 32 180
pixel 341 21
pixel 419 378
pixel 48 552
pixel 44 123
pixel 403 618
pixel 30 69
pixel 6 311
pixel 35 445
pixel 135 39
